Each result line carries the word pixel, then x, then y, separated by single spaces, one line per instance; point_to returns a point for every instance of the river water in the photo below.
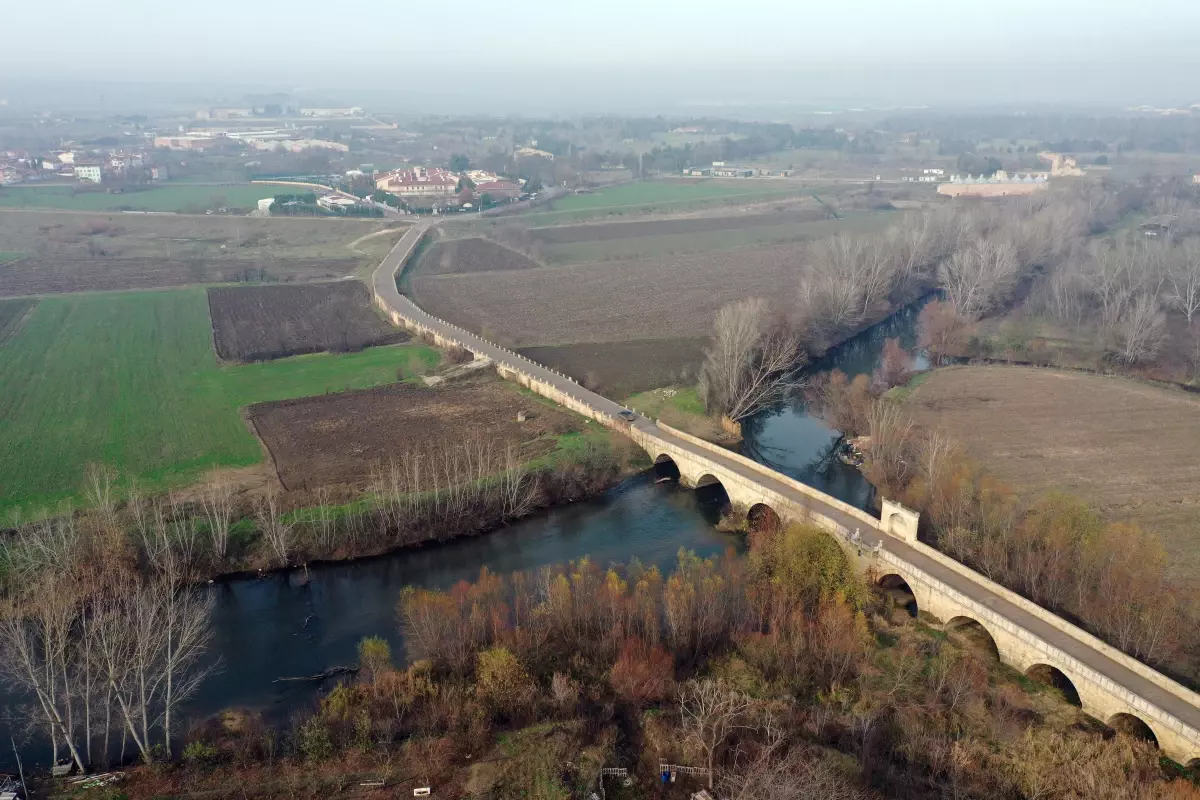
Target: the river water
pixel 287 625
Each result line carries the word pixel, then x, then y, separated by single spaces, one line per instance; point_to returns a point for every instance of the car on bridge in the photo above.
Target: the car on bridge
pixel 627 415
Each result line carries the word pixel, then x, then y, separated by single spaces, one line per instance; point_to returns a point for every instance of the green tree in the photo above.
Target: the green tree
pixel 459 163
pixel 501 681
pixel 374 656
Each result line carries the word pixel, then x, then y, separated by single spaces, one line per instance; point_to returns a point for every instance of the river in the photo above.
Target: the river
pixel 287 625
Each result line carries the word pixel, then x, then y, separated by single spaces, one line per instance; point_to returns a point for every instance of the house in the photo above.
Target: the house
pixel 722 170
pixel 532 152
pixel 335 202
pixel 697 172
pixel 88 172
pixel 499 190
pixel 418 182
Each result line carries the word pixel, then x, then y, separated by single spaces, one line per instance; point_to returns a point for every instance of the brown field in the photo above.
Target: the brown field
pixel 570 234
pixel 256 323
pixel 470 255
pixel 338 438
pixel 619 369
pixel 11 314
pixel 1131 449
pixel 611 301
pixel 54 274
pixel 71 251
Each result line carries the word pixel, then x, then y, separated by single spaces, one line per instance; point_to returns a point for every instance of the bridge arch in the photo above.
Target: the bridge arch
pixel 896 587
pixel 708 479
pixel 1054 677
pixel 1134 726
pixel 665 467
pixel 761 517
pixel 975 633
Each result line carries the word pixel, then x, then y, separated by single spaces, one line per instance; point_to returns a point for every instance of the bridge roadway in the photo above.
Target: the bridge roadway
pixel 1110 684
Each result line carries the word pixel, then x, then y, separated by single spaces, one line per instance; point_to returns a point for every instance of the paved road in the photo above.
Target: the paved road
pixel 385 286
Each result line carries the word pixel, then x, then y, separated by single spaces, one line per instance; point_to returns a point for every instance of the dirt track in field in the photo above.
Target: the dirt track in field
pixel 1131 449
pixel 470 256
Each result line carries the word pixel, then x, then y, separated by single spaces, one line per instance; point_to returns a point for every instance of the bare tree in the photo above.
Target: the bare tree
pixel 1183 278
pixel 751 363
pixel 216 499
pixel 1140 330
pixel 793 777
pixel 977 275
pixel 268 512
pixel 711 710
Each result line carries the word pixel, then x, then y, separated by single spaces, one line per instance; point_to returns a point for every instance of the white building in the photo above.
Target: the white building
pixel 88 172
pixel 264 207
pixel 335 201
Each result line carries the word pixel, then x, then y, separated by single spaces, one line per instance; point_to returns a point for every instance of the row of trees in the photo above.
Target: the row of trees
pixel 437 492
pixel 101 653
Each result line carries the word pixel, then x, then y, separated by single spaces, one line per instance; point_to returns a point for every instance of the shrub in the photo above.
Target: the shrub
pixel 200 753
pixel 314 741
pixel 374 656
pixel 501 681
pixel 642 674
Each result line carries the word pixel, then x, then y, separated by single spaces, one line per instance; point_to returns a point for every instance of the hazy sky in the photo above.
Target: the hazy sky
pixel 601 52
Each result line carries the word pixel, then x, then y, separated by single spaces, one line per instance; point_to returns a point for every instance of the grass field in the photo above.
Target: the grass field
pixel 1131 449
pixel 179 198
pixel 130 380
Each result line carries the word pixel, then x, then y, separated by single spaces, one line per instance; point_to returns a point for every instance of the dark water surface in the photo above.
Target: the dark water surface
pixel 286 625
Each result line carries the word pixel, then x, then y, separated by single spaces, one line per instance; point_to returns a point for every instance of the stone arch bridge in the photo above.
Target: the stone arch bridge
pixel 1108 684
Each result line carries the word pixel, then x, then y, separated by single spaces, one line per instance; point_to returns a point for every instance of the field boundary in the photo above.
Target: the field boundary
pixel 21 322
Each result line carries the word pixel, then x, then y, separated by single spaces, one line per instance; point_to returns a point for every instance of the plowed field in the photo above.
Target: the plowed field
pixel 610 301
pixel 337 439
pixel 1130 449
pixel 54 274
pixel 257 323
pixel 471 255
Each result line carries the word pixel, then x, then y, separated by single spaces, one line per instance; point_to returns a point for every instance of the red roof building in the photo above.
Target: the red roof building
pixel 418 182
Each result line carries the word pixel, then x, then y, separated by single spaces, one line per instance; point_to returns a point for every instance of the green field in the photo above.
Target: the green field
pixel 179 198
pixel 4 256
pixel 11 314
pixel 130 380
pixel 645 193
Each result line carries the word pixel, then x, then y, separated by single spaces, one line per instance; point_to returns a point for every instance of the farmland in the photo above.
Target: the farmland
pixel 619 369
pixel 181 198
pixel 81 252
pixel 1131 449
pixel 130 380
pixel 11 314
pixel 673 192
pixel 474 254
pixel 337 439
pixel 707 240
pixel 58 274
pixel 614 301
pixel 256 323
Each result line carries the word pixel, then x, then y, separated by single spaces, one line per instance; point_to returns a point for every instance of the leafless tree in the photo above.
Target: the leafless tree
pixel 35 640
pixel 100 491
pixel 268 513
pixel 751 362
pixel 792 777
pixel 216 499
pixel 710 710
pixel 1140 330
pixel 1183 278
pixel 977 275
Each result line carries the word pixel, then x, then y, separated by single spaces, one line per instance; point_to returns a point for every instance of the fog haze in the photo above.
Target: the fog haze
pixel 546 56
